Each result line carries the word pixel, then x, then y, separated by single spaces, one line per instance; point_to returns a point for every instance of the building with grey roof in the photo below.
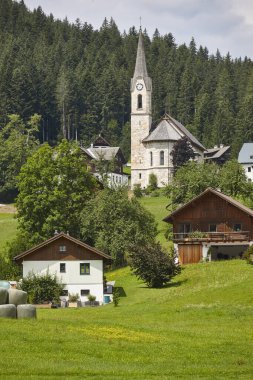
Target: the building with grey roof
pixel 245 158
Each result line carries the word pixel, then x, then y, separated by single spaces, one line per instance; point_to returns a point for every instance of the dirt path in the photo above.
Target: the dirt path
pixel 7 209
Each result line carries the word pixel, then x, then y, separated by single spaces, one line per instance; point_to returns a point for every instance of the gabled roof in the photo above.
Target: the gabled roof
pixel 58 236
pixel 246 154
pixel 170 129
pixel 215 153
pixel 106 153
pixel 228 199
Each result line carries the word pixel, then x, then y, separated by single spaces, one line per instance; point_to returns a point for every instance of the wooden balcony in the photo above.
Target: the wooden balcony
pixel 230 236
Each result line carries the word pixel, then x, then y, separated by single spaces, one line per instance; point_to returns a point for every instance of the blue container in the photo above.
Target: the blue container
pixel 107 299
pixel 5 284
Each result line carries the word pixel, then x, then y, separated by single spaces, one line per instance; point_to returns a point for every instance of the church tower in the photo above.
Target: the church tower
pixel 141 119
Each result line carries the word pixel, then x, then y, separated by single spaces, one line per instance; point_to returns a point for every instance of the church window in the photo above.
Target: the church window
pixel 162 157
pixel 249 169
pixel 139 101
pixel 151 159
pixel 139 175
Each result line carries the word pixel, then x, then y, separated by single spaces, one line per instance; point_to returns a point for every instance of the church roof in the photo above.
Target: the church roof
pixel 170 129
pixel 140 66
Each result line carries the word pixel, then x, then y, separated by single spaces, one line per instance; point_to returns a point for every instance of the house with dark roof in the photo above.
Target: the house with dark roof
pixel 151 144
pixel 77 265
pixel 100 155
pixel 218 154
pixel 211 226
pixel 245 158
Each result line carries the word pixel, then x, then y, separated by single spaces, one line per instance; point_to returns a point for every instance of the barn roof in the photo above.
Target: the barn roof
pixel 56 237
pixel 228 199
pixel 170 129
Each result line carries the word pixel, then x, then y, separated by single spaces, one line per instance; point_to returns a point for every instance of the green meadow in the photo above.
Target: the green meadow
pixel 199 327
pixel 8 228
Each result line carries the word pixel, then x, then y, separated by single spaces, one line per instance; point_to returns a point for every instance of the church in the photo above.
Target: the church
pixel 151 145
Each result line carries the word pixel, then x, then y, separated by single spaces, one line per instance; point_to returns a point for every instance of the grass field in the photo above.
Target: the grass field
pixel 199 327
pixel 8 228
pixel 157 206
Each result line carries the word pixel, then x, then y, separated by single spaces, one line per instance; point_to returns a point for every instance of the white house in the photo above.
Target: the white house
pixel 151 144
pixel 78 266
pixel 245 158
pixel 112 160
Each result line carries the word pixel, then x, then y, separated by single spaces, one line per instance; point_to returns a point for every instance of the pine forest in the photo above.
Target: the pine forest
pixel 78 79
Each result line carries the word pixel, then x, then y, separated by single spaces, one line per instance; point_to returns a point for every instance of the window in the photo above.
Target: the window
pixel 237 227
pixel 64 293
pixel 162 157
pixel 151 159
pixel 139 175
pixel 251 157
pixel 62 248
pixel 85 292
pixel 212 228
pixel 84 268
pixel 139 105
pixel 249 169
pixel 184 228
pixel 62 268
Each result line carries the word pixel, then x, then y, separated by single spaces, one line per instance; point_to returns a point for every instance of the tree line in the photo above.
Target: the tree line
pixel 78 80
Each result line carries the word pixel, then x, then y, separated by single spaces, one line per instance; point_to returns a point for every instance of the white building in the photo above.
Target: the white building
pixel 77 265
pixel 245 158
pixel 151 147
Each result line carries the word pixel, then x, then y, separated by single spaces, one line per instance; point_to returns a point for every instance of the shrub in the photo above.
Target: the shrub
pixel 248 255
pixel 153 265
pixel 41 288
pixel 73 297
pixel 137 190
pixel 91 298
pixel 116 297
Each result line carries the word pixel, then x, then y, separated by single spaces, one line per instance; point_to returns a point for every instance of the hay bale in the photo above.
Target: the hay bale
pixel 5 284
pixel 8 311
pixel 3 296
pixel 17 297
pixel 26 311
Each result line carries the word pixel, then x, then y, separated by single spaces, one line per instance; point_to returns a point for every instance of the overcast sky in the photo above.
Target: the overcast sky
pixel 223 24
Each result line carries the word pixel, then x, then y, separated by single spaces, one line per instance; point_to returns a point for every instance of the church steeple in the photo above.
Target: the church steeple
pixel 140 65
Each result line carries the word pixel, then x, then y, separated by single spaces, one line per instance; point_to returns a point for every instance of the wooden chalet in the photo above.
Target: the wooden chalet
pixel 211 226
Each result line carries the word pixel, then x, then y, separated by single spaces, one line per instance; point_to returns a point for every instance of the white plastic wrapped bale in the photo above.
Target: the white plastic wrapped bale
pixel 3 296
pixel 26 311
pixel 17 297
pixel 8 311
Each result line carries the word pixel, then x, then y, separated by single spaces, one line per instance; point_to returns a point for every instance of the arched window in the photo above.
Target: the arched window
pixel 162 157
pixel 139 105
pixel 151 159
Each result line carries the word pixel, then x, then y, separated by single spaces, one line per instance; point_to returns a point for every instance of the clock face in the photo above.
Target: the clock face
pixel 139 86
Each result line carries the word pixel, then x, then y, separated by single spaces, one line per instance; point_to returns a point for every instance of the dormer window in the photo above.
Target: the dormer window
pixel 139 101
pixel 62 248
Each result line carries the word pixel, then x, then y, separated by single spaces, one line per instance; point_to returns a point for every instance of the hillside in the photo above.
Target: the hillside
pixel 198 327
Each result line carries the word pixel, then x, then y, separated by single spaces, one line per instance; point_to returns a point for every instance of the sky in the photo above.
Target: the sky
pixel 226 25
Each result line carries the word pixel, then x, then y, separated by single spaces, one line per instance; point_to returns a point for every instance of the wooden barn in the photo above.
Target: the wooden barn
pixel 211 226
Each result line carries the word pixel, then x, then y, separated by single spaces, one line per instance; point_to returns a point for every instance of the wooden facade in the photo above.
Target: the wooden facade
pixel 211 218
pixel 61 247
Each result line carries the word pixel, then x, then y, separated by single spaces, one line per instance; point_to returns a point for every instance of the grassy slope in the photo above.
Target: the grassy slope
pixel 157 206
pixel 199 327
pixel 8 227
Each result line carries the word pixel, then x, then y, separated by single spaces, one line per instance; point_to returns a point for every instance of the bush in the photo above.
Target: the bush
pixel 153 265
pixel 73 297
pixel 42 288
pixel 116 297
pixel 91 298
pixel 137 190
pixel 248 255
